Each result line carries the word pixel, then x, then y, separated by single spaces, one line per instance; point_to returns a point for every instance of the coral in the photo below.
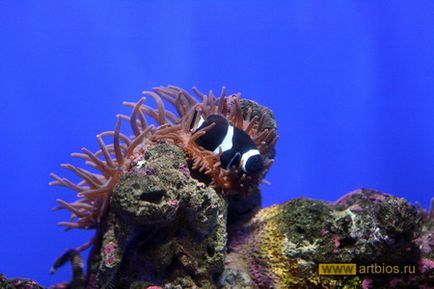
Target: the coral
pixel 113 161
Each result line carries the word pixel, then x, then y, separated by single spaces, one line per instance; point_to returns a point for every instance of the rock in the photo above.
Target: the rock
pixel 281 246
pixel 163 227
pixel 18 283
pixel 175 237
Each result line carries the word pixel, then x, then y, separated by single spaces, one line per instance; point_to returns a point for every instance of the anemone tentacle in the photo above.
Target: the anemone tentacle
pixel 173 125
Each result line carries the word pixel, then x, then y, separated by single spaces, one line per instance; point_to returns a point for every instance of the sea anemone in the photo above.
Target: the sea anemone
pixel 113 160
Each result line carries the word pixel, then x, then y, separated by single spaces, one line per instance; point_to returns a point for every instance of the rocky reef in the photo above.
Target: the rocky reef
pixel 18 283
pixel 168 230
pixel 163 227
pixel 167 227
pixel 281 246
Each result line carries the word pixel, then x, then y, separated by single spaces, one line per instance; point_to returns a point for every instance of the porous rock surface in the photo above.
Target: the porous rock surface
pixel 191 245
pixel 18 283
pixel 281 246
pixel 166 229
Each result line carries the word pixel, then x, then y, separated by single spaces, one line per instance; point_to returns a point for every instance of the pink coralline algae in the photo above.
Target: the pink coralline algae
pixel 395 282
pixel 109 248
pixel 109 256
pixel 324 232
pixel 185 170
pixel 149 171
pixel 336 242
pixel 367 284
pixel 426 265
pixel 173 202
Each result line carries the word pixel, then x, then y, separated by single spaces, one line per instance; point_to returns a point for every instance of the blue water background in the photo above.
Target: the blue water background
pixel 350 82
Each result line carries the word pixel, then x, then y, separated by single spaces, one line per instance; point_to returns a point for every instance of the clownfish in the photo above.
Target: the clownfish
pixel 235 145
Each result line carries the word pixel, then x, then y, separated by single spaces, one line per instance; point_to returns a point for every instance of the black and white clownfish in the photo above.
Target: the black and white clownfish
pixel 235 145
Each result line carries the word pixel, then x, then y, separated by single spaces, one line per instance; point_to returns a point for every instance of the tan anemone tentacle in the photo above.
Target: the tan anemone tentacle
pixel 133 118
pixel 172 118
pixel 161 91
pixel 188 97
pixel 139 139
pixel 161 110
pixel 73 209
pixel 87 176
pixel 122 136
pixel 202 96
pixel 116 142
